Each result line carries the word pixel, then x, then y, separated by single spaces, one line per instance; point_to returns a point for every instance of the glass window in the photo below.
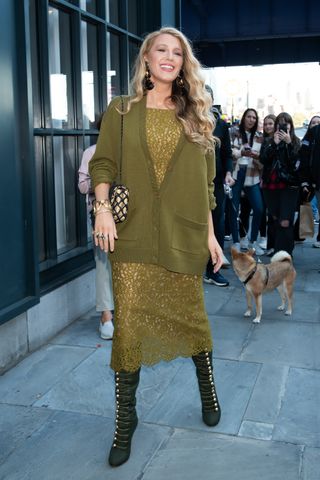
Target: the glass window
pixel 89 5
pixel 133 17
pixel 60 69
pixel 113 66
pixel 115 12
pixel 89 73
pixel 133 52
pixel 39 158
pixel 65 181
pixel 35 67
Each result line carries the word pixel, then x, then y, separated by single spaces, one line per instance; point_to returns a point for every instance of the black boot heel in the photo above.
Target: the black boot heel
pixel 126 417
pixel 211 411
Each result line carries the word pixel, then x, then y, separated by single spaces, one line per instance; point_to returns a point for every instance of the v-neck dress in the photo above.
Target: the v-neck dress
pixel 159 314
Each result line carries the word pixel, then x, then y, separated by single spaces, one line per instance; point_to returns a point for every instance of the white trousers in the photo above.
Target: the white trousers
pixel 104 293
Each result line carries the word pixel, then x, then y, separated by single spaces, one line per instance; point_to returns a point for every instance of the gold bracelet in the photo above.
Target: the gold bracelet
pixel 98 204
pixel 105 210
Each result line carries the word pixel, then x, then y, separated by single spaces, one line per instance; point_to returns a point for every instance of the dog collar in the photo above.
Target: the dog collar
pixel 253 272
pixel 250 275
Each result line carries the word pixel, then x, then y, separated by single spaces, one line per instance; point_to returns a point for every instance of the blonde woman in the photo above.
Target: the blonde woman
pixel 159 253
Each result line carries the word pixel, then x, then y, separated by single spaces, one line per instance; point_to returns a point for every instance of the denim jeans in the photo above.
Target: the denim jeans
pixel 254 196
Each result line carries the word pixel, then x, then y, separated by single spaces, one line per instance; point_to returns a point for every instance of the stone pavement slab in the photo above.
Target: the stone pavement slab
pixel 83 332
pixel 265 402
pixel 215 302
pixel 200 455
pixel 230 335
pixel 311 464
pixel 89 387
pixel 284 343
pixel 73 447
pixel 36 374
pixel 299 417
pixel 57 406
pixel 234 382
pixel 17 423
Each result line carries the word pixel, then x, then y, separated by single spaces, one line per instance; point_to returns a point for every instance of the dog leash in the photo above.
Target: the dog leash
pixel 238 216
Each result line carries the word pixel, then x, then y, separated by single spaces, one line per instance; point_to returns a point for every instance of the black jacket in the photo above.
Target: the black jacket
pixel 223 151
pixel 282 158
pixel 310 157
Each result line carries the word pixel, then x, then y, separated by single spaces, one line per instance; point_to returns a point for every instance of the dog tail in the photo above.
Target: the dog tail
pixel 281 256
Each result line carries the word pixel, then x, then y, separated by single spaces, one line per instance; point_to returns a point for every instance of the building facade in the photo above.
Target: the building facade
pixel 61 62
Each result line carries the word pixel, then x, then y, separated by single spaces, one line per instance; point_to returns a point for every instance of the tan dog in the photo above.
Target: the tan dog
pixel 258 278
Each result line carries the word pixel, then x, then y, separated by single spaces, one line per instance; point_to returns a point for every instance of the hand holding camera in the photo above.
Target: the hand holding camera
pixel 227 190
pixel 282 134
pixel 246 151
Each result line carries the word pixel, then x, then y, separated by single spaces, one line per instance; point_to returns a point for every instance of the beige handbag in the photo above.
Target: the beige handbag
pixel 306 227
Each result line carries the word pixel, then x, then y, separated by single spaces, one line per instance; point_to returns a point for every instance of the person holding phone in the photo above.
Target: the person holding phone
pixel 246 143
pixel 281 180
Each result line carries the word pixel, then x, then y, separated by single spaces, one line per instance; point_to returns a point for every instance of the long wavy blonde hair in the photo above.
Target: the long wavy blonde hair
pixel 192 105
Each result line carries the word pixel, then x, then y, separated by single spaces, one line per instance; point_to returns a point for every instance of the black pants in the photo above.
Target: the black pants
pixel 218 219
pixel 281 205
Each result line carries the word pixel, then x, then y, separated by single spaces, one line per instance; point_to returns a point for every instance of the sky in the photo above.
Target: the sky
pixel 292 87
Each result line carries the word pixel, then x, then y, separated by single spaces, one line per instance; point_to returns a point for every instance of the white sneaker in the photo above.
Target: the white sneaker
pixel 269 252
pixel 258 250
pixel 244 242
pixel 263 243
pixel 225 262
pixel 236 246
pixel 106 330
pixel 316 244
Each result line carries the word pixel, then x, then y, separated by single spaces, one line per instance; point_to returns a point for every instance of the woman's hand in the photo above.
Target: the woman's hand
pixel 229 180
pixel 284 136
pixel 276 137
pixel 246 150
pixel 280 135
pixel 254 155
pixel 105 232
pixel 214 247
pixel 215 252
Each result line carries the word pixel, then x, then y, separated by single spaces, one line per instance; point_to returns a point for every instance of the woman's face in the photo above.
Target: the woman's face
pixel 314 121
pixel 165 58
pixel 268 126
pixel 250 120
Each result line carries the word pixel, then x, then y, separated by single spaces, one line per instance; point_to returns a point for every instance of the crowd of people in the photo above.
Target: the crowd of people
pixel 190 178
pixel 273 172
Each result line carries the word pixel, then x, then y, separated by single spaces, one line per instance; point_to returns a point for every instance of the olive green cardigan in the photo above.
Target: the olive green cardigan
pixel 166 226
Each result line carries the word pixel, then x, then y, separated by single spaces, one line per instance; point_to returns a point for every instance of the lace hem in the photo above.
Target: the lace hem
pixel 130 361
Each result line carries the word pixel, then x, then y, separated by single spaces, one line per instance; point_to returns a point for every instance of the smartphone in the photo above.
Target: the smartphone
pixel 283 127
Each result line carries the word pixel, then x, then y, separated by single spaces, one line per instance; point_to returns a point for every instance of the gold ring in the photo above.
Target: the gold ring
pixel 102 236
pixel 98 235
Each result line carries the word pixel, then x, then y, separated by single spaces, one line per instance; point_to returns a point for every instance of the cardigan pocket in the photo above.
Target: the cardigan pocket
pixel 129 230
pixel 189 236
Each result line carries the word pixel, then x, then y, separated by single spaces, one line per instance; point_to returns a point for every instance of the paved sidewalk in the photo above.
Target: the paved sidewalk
pixel 57 406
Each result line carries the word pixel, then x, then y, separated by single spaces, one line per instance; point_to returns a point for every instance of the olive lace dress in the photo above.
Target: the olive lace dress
pixel 159 314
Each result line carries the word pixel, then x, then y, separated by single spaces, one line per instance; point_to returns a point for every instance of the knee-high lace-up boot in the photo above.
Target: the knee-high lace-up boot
pixel 211 412
pixel 126 416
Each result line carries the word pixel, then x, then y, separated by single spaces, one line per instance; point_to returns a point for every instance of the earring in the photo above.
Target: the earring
pixel 147 83
pixel 179 80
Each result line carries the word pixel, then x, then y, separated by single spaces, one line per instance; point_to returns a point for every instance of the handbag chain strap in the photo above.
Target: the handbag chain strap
pixel 120 166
